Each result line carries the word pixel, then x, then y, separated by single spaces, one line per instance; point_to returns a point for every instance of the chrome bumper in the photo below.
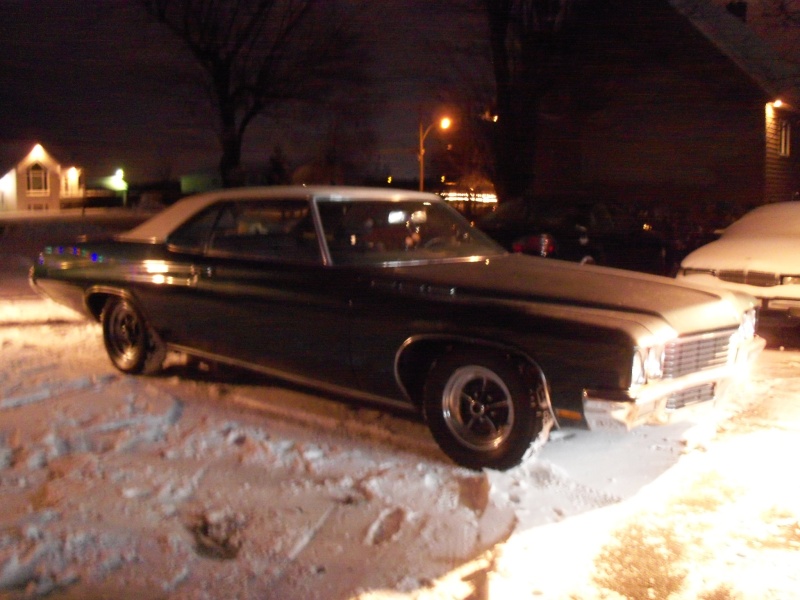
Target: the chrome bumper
pixel 653 403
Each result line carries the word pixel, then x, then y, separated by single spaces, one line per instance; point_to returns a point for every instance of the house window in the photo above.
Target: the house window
pixel 786 138
pixel 71 183
pixel 37 180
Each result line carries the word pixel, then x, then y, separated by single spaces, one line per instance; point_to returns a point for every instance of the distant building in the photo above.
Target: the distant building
pixel 39 182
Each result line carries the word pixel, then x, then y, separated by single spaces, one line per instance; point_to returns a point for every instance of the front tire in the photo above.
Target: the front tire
pixel 131 344
pixel 480 410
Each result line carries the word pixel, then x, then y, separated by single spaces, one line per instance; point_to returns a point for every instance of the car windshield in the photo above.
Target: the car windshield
pixel 381 232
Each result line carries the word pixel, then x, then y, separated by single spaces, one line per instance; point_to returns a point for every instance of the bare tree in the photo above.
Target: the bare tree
pixel 787 12
pixel 780 21
pixel 527 51
pixel 541 50
pixel 257 55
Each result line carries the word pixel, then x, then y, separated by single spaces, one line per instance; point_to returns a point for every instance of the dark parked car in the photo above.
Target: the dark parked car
pixel 393 297
pixel 585 231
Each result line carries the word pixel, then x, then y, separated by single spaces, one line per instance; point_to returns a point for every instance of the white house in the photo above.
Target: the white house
pixel 38 182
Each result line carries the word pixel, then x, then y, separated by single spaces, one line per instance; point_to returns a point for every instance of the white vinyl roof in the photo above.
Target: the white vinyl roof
pixel 157 229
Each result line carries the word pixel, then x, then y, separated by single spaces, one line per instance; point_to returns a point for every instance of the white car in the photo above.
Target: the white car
pixel 759 254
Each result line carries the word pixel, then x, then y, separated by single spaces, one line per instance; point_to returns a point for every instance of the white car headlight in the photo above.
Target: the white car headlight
pixel 638 376
pixel 648 364
pixel 747 329
pixel 654 364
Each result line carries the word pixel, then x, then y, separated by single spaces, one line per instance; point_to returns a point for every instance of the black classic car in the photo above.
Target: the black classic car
pixel 392 297
pixel 578 229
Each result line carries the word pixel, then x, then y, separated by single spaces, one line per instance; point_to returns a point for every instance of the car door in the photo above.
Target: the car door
pixel 388 307
pixel 260 293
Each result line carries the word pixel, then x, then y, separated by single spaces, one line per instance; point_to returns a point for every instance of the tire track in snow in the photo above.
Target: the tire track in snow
pixel 56 390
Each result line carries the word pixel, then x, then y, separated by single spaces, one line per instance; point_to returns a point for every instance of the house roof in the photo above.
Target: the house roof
pixel 12 152
pixel 744 47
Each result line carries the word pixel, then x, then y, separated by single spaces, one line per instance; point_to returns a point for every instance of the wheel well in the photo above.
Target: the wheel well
pixel 418 357
pixel 96 302
pixel 97 299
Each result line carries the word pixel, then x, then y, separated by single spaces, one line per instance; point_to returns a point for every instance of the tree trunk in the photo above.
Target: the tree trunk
pixel 515 149
pixel 230 165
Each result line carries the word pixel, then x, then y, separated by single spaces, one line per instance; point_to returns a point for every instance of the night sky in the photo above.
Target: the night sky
pixel 103 87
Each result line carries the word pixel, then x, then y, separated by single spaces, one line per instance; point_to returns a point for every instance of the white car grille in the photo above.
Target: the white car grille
pixel 697 353
pixel 757 278
pixel 695 395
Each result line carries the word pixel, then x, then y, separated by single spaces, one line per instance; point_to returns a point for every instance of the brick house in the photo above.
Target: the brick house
pixel 696 114
pixel 39 182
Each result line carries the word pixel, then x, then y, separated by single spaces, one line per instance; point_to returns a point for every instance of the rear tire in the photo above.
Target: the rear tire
pixel 480 410
pixel 131 344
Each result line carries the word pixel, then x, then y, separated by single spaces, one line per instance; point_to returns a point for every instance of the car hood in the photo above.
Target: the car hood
pixel 685 308
pixel 773 255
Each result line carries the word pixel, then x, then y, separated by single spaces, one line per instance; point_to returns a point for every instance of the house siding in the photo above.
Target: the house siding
pixel 781 170
pixel 49 201
pixel 682 126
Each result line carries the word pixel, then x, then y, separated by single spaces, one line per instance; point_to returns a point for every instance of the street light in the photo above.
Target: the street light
pixel 443 124
pixel 118 184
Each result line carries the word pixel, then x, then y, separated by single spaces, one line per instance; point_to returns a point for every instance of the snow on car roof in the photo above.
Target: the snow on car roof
pixel 779 219
pixel 157 229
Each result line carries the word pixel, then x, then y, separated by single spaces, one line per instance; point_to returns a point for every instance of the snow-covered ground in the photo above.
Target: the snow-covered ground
pixel 206 484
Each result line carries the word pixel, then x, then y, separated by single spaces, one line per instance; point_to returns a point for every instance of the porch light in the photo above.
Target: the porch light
pixel 37 152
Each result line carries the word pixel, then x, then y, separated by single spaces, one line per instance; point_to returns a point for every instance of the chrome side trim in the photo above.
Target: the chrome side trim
pixel 296 379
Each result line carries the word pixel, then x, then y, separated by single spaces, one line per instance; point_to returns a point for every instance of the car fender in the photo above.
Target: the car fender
pixel 96 296
pixel 418 353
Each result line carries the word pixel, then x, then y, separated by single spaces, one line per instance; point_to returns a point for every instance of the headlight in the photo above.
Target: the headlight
pixel 790 279
pixel 638 376
pixel 654 363
pixel 648 364
pixel 747 329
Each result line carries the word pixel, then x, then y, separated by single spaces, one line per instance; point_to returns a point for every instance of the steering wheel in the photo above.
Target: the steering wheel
pixel 439 240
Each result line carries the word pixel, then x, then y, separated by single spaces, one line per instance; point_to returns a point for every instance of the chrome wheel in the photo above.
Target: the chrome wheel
pixel 477 408
pixel 481 409
pixel 131 345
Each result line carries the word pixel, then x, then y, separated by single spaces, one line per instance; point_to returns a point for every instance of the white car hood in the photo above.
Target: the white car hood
pixel 773 255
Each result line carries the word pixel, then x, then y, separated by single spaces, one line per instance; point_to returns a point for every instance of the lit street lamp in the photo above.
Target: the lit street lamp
pixel 443 124
pixel 117 183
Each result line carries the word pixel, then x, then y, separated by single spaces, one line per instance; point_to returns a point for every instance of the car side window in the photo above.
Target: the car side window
pixel 267 229
pixel 195 233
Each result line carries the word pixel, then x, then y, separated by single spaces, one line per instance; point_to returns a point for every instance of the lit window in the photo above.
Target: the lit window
pixel 71 182
pixel 37 180
pixel 786 137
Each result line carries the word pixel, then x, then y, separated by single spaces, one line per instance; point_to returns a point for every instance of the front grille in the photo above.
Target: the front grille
pixel 695 395
pixel 697 353
pixel 757 278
